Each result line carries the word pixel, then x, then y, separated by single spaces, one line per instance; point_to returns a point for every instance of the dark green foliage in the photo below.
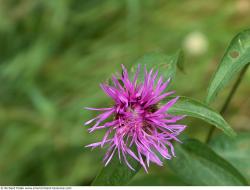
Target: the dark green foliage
pixel 236 151
pixel 159 179
pixel 117 173
pixel 197 164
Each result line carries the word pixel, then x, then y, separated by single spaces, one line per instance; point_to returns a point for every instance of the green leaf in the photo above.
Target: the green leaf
pixel 116 173
pixel 236 151
pixel 196 164
pixel 165 64
pixel 194 108
pixel 159 179
pixel 235 58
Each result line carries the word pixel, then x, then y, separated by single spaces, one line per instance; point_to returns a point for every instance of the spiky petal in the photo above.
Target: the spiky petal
pixel 138 120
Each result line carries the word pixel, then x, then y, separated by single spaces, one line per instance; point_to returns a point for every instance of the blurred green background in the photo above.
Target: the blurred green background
pixel 54 54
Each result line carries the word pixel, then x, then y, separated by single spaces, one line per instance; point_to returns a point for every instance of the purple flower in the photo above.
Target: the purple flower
pixel 138 120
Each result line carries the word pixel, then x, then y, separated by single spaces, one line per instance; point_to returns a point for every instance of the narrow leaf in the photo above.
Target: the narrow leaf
pixel 157 179
pixel 116 173
pixel 235 58
pixel 197 164
pixel 165 64
pixel 236 151
pixel 194 108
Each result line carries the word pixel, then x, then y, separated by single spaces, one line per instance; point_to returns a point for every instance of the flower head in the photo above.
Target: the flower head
pixel 137 119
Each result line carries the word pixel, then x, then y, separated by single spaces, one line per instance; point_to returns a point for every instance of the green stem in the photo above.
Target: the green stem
pixel 228 100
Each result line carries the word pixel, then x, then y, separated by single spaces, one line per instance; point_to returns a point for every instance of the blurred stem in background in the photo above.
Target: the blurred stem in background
pixel 228 100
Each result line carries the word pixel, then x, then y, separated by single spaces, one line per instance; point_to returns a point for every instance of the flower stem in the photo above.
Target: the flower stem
pixel 226 103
